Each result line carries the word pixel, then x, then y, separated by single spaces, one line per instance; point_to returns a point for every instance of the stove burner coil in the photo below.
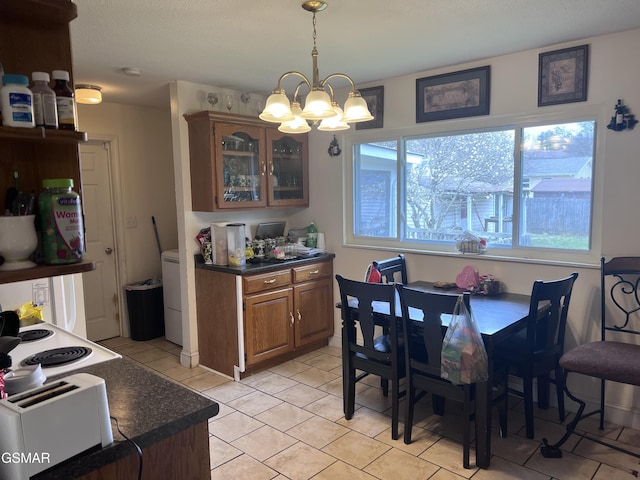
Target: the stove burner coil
pixel 33 335
pixel 57 356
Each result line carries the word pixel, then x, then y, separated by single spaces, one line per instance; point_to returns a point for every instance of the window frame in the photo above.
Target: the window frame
pixel 588 257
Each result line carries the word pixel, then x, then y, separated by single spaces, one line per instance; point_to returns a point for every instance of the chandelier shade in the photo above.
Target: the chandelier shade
pixel 319 104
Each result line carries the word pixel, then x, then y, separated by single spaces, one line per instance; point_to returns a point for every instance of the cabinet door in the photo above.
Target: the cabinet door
pixel 313 311
pixel 269 325
pixel 240 166
pixel 287 161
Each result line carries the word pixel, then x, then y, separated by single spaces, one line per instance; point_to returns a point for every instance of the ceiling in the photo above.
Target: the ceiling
pixel 245 45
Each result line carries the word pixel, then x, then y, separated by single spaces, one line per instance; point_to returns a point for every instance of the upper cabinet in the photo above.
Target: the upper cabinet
pixel 34 36
pixel 240 162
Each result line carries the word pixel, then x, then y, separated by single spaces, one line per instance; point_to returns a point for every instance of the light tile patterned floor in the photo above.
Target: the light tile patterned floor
pixel 287 423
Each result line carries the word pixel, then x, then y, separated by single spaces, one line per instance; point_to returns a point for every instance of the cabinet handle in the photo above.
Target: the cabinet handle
pixel 264 169
pixel 270 281
pixel 314 272
pixel 271 169
pixel 299 316
pixel 292 320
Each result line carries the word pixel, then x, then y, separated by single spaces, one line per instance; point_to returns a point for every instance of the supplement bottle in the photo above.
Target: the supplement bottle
pixel 65 101
pixel 16 101
pixel 61 222
pixel 312 236
pixel 45 110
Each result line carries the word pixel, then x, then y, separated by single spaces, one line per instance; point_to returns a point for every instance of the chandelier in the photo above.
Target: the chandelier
pixel 319 105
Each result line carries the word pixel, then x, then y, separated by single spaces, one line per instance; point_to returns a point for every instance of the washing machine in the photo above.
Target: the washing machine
pixel 171 286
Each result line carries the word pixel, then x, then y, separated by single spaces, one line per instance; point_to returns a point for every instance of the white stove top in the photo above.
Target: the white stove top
pixel 59 339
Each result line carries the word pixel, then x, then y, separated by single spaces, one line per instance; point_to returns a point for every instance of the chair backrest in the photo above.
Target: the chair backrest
pixel 424 351
pixel 358 300
pixel 620 277
pixel 545 333
pixel 390 267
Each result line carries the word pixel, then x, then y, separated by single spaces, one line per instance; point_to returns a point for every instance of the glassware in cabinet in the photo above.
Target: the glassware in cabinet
pixel 241 169
pixel 287 161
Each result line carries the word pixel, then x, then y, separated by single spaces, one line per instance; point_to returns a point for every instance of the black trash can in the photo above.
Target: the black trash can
pixel 146 310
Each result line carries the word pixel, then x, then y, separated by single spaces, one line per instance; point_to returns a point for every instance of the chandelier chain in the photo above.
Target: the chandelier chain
pixel 314 30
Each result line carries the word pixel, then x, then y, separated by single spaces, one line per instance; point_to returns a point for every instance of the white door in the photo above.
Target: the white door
pixel 100 285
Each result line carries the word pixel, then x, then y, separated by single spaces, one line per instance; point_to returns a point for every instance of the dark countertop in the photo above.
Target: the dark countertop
pixel 148 407
pixel 262 267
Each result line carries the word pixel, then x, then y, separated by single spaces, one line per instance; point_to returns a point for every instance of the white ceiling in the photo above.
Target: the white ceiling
pixel 246 45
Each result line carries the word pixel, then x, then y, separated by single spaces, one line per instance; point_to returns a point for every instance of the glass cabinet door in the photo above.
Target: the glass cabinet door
pixel 288 179
pixel 240 166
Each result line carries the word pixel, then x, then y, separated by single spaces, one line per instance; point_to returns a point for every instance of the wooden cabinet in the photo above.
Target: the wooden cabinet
pixel 286 312
pixel 34 36
pixel 240 162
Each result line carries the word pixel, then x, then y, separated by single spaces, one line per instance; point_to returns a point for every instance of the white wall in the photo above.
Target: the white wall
pixel 142 151
pixel 613 74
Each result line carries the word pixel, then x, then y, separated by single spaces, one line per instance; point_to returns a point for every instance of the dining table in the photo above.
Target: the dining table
pixel 499 316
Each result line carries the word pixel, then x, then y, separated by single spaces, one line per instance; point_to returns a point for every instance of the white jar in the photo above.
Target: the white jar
pixel 16 101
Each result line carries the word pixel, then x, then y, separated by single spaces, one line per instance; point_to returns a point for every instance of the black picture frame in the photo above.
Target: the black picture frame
pixel 562 76
pixel 374 97
pixel 453 95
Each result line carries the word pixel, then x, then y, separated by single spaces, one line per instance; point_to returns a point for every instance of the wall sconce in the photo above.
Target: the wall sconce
pixel 622 118
pixel 334 148
pixel 88 94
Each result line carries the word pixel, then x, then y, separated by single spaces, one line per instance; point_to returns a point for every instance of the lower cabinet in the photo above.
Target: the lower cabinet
pixel 285 312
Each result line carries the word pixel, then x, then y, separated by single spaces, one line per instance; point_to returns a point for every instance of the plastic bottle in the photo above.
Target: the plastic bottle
pixel 312 236
pixel 17 101
pixel 61 222
pixel 45 110
pixel 65 101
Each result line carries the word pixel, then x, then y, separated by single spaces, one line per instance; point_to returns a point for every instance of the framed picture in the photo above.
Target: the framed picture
pixel 375 101
pixel 453 95
pixel 562 76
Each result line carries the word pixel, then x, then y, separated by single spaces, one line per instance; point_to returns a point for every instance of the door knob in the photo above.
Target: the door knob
pixel 108 251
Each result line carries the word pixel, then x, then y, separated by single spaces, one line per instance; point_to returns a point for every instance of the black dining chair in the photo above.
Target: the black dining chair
pixel 423 347
pixel 393 270
pixel 535 351
pixel 613 358
pixel 365 347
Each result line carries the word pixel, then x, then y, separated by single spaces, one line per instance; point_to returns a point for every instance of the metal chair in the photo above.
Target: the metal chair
pixel 423 361
pixel 616 356
pixel 363 349
pixel 536 351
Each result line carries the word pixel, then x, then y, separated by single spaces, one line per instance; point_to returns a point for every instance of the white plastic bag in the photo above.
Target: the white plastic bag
pixel 464 357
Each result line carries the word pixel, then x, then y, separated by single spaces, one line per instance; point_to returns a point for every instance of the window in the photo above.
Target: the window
pixel 520 188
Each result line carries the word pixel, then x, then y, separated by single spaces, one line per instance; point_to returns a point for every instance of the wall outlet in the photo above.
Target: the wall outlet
pixel 132 222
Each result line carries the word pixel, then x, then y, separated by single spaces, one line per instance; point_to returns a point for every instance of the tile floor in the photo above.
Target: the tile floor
pixel 287 423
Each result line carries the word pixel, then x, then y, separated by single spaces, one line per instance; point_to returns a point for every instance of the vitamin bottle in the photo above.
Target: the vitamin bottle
pixel 45 110
pixel 65 101
pixel 61 222
pixel 16 101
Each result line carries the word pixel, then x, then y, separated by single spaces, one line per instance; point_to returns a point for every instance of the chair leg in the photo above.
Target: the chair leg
pixel 466 433
pixel 543 391
pixel 384 384
pixel 528 404
pixel 395 406
pixel 559 381
pixel 408 410
pixel 602 404
pixel 438 404
pixel 349 387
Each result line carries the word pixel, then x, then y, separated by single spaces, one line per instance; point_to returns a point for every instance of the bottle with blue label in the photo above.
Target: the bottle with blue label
pixel 16 101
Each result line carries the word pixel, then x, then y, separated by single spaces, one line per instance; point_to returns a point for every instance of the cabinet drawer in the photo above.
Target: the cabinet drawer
pixel 312 272
pixel 266 281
